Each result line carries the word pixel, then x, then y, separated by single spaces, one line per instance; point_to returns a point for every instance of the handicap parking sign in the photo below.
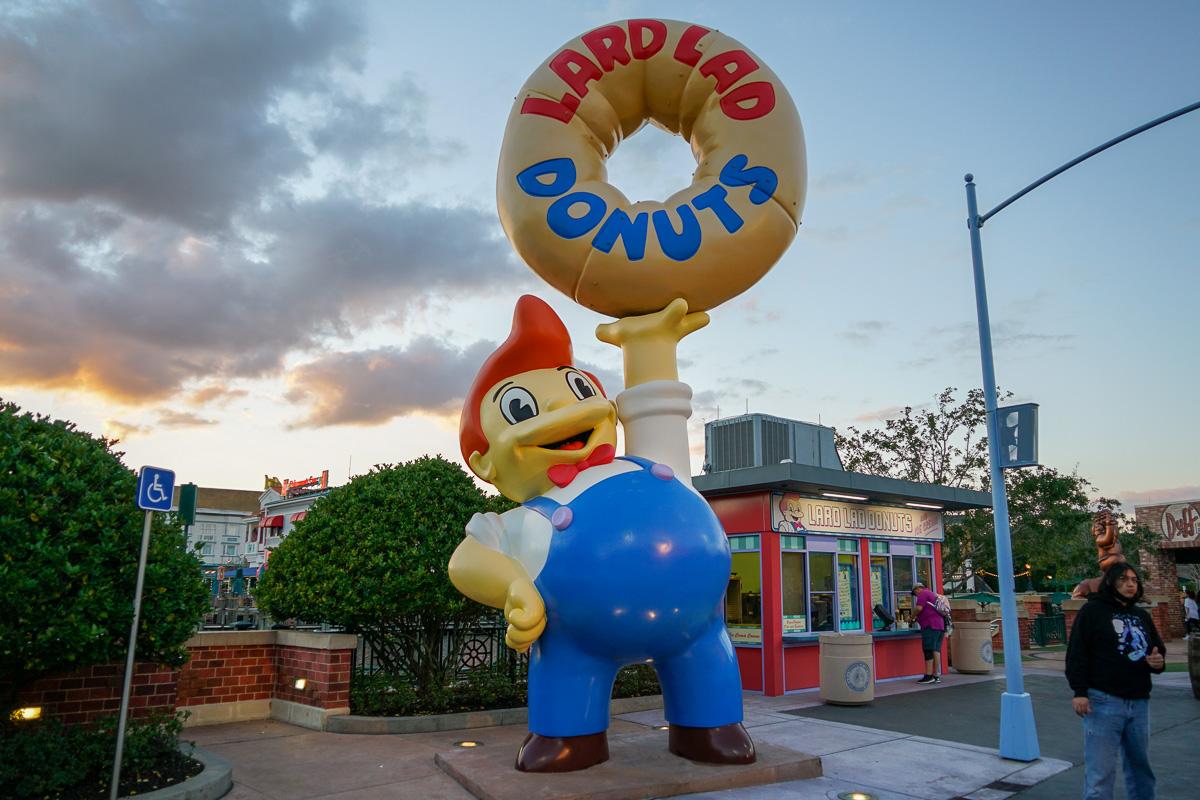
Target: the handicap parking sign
pixel 155 486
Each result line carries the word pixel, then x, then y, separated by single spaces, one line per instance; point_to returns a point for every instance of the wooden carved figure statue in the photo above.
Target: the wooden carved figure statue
pixel 1108 549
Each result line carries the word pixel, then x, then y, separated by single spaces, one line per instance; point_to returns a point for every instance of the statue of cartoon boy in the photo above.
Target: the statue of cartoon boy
pixel 609 560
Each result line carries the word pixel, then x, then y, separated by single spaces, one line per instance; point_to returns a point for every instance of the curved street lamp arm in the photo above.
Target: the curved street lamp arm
pixel 1085 157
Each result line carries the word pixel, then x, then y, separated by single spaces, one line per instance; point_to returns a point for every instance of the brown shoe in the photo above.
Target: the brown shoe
pixel 562 753
pixel 726 744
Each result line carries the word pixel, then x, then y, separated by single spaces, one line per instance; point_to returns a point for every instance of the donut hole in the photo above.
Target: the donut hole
pixel 651 164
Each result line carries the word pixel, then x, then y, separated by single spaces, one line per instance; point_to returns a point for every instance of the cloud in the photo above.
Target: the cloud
pixel 216 394
pixel 865 332
pixel 963 338
pixel 1149 497
pixel 188 197
pixel 880 414
pixel 181 419
pixel 115 429
pixel 371 387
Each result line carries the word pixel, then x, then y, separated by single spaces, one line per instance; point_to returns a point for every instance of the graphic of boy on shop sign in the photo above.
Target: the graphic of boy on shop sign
pixel 609 560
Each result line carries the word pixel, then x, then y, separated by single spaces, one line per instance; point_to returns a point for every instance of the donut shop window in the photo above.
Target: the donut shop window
pixel 743 595
pixel 794 571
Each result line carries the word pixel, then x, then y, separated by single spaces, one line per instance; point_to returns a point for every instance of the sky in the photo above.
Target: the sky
pixel 260 238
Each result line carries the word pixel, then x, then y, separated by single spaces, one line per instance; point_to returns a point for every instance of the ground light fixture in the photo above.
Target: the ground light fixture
pixel 855 796
pixel 26 714
pixel 929 506
pixel 300 683
pixel 468 743
pixel 839 496
pixel 662 727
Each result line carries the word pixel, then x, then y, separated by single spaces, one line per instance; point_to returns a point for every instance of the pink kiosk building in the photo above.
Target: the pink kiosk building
pixel 817 548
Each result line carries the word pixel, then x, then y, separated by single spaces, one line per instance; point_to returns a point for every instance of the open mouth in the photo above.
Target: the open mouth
pixel 576 442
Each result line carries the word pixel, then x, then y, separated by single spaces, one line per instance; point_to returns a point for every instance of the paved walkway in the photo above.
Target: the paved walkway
pixel 931 742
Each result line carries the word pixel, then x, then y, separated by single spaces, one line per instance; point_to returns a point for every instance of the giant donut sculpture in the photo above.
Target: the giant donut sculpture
pixel 706 243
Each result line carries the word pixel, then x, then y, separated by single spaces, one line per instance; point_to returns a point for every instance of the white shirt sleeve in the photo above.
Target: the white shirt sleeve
pixel 519 533
pixel 655 416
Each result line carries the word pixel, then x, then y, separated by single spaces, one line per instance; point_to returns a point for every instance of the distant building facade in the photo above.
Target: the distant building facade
pixel 1178 527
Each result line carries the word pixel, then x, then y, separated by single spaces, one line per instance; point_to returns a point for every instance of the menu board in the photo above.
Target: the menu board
pixel 846 596
pixel 795 623
pixel 878 577
pixel 745 634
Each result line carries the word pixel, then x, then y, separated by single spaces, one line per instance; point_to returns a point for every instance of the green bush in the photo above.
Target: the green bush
pixel 636 680
pixel 482 689
pixel 371 557
pixel 71 533
pixel 48 759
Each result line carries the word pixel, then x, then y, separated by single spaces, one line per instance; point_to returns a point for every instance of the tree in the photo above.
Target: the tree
pixel 945 444
pixel 70 533
pixel 371 557
pixel 1049 511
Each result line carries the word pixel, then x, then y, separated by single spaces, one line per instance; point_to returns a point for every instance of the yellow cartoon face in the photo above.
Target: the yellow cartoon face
pixel 538 419
pixel 792 511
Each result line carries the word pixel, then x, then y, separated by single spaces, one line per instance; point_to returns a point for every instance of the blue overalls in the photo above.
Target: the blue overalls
pixel 636 573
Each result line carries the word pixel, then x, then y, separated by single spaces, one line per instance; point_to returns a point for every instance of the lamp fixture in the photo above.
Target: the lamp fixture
pixel 301 683
pixel 930 506
pixel 840 496
pixel 468 743
pixel 855 796
pixel 662 727
pixel 26 714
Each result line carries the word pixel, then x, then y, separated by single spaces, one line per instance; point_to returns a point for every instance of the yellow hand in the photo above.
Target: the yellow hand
pixel 648 342
pixel 526 615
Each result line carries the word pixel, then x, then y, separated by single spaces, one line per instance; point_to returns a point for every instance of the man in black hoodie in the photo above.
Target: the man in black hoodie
pixel 1114 647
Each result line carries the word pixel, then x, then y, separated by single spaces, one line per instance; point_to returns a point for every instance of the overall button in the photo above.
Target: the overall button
pixel 662 471
pixel 561 518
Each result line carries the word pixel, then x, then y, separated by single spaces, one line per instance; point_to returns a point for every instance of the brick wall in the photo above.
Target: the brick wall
pixel 228 672
pixel 95 692
pixel 1162 584
pixel 326 674
pixel 231 675
pixel 1022 631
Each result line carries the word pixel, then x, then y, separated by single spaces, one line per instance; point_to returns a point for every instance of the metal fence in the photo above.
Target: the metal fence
pixel 1048 629
pixel 482 646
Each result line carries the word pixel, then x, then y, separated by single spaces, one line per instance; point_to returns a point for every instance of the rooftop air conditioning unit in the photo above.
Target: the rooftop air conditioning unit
pixel 756 440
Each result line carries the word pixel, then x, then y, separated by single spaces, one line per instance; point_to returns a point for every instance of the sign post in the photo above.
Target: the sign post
pixel 155 486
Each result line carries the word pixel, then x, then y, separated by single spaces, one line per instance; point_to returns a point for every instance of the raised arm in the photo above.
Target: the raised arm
pixel 655 406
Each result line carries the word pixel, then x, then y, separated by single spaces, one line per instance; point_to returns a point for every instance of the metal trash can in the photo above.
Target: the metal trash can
pixel 847 668
pixel 971 647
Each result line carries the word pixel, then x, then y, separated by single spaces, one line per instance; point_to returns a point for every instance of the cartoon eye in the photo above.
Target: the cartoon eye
pixel 518 405
pixel 580 385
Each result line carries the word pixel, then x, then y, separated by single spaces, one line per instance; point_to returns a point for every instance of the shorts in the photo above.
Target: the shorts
pixel 931 641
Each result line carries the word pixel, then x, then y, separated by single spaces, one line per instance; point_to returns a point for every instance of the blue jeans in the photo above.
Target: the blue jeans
pixel 1117 726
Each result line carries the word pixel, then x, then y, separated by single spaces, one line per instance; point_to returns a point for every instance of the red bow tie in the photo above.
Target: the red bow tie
pixel 563 474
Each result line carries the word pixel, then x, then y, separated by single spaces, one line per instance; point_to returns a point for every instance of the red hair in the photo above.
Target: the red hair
pixel 538 340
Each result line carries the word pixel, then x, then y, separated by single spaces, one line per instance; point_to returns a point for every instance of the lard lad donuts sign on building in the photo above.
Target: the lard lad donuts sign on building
pixel 705 243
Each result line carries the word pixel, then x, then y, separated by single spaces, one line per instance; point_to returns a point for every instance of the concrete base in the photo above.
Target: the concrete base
pixel 639 766
pixel 220 713
pixel 309 717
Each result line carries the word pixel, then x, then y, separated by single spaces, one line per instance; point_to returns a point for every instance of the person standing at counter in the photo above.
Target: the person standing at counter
pixel 933 628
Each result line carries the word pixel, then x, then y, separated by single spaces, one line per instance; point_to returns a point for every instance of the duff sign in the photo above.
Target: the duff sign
pixel 1181 523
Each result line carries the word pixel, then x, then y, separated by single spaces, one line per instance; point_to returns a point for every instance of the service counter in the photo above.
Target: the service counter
pixel 897 655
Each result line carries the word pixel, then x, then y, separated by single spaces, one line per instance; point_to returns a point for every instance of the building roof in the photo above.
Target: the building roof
pixel 243 500
pixel 807 479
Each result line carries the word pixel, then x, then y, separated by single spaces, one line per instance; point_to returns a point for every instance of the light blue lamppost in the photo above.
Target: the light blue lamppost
pixel 1018 732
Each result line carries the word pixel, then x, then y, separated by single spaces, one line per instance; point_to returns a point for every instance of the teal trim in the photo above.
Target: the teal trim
pixel 880 548
pixel 791 542
pixel 847 545
pixel 743 542
pixel 924 549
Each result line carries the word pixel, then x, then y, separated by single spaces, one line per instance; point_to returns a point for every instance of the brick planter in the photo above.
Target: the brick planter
pixel 95 692
pixel 231 676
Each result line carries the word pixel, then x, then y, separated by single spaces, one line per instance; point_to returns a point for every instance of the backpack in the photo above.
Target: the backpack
pixel 941 604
